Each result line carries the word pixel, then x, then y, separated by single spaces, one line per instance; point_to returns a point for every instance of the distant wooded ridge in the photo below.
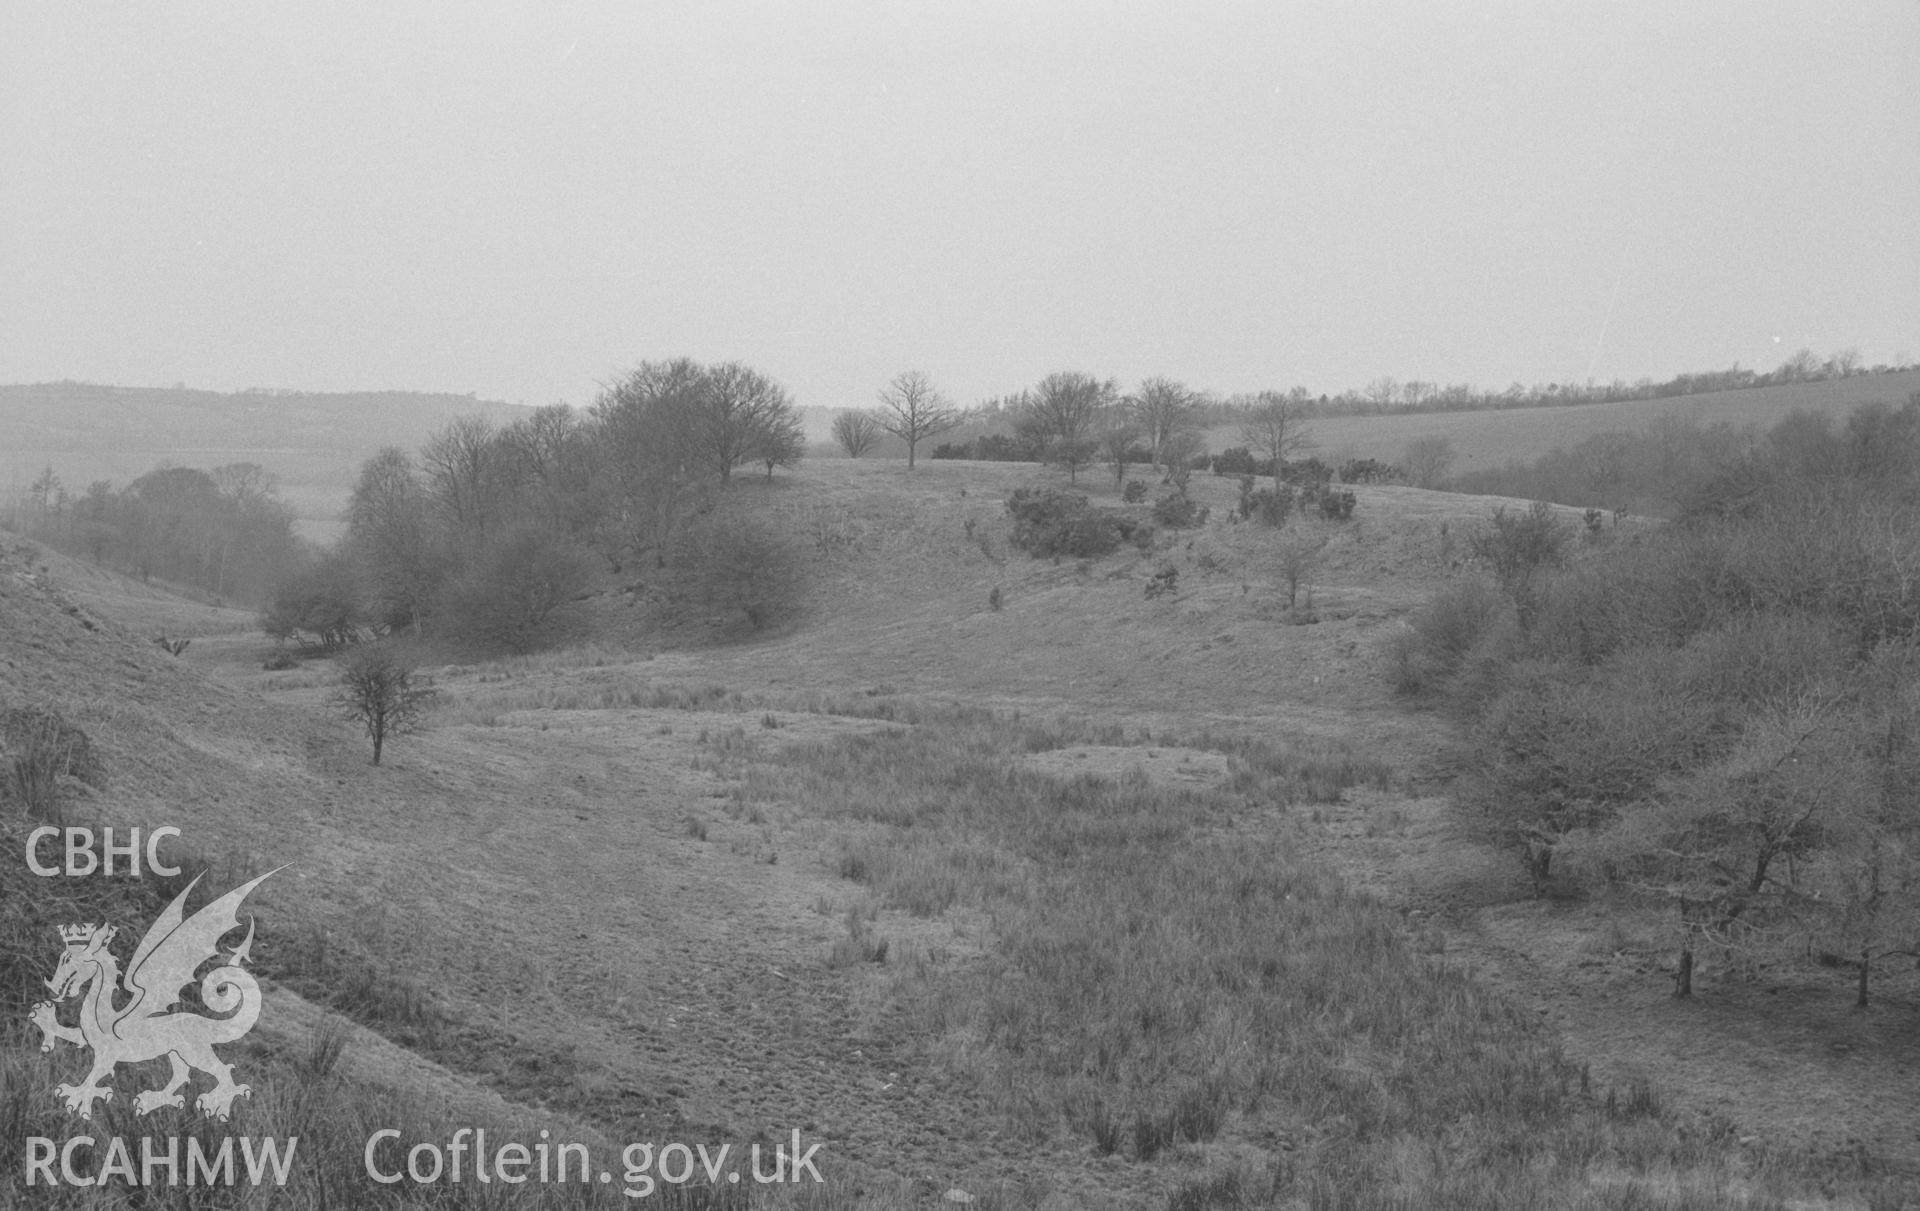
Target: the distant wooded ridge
pixel 1388 396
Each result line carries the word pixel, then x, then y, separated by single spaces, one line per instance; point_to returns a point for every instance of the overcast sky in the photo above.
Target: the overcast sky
pixel 521 200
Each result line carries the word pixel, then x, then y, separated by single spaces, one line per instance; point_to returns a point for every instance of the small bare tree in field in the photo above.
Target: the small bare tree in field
pixel 913 410
pixel 856 432
pixel 1297 557
pixel 379 690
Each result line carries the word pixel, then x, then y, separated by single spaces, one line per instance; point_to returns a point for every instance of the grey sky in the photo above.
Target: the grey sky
pixel 522 200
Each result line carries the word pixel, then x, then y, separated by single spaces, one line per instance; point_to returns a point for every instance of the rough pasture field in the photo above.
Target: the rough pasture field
pixel 1492 438
pixel 1092 900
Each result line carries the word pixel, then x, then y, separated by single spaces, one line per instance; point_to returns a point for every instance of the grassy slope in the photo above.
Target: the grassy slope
pixel 251 785
pixel 871 876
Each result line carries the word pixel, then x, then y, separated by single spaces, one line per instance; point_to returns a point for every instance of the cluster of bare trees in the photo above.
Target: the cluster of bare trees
pixel 1068 417
pixel 1081 417
pixel 1718 717
pixel 910 408
pixel 487 529
pixel 1075 419
pixel 225 531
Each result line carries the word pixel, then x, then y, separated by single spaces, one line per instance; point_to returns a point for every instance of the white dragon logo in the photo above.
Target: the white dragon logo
pixel 143 1028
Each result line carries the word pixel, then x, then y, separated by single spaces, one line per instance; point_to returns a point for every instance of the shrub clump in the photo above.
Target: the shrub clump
pixel 1047 523
pixel 1518 546
pixel 1463 635
pixel 1264 504
pixel 732 562
pixel 1336 505
pixel 1177 511
pixel 515 583
pixel 1370 471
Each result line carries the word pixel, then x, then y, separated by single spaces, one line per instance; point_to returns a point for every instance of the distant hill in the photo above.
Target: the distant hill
pixel 313 441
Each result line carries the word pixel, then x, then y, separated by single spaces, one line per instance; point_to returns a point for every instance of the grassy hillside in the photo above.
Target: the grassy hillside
pixel 1095 899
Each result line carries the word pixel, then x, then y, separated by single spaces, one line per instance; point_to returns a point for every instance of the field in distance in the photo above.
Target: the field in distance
pixel 1493 437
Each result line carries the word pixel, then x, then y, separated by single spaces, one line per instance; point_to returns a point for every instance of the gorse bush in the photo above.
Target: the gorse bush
pixel 1264 504
pixel 1369 471
pixel 1176 510
pixel 1336 505
pixel 1239 460
pixel 1307 472
pixel 1047 523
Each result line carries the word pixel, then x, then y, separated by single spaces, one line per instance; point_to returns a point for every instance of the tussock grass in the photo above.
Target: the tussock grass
pixel 1160 978
pixel 620 693
pixel 580 656
pixel 311 676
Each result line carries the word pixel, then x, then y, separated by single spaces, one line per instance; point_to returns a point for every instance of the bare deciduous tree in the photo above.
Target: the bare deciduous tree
pixel 913 410
pixel 468 474
pixel 1276 427
pixel 643 427
pixel 781 442
pixel 856 432
pixel 1382 392
pixel 1065 407
pixel 379 691
pixel 738 415
pixel 1297 555
pixel 554 465
pixel 1162 408
pixel 389 541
